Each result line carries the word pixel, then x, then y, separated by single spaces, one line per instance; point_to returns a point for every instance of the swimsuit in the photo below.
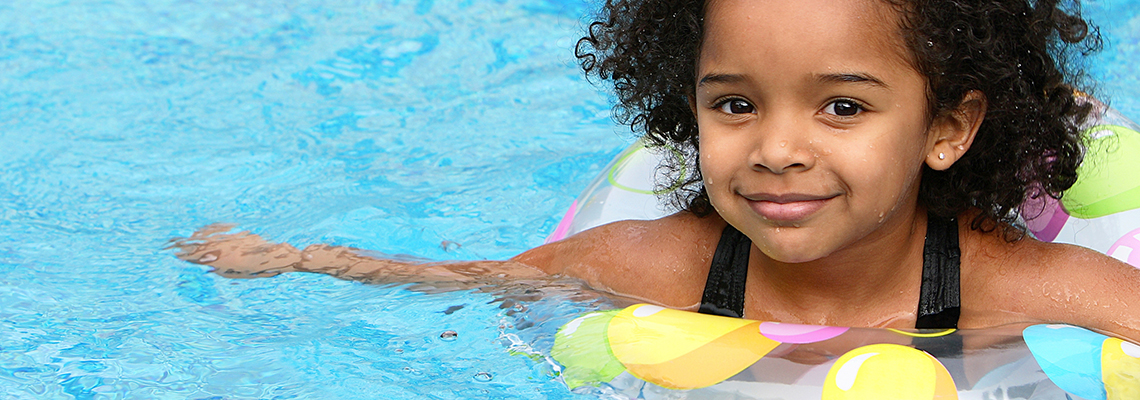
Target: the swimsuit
pixel 938 301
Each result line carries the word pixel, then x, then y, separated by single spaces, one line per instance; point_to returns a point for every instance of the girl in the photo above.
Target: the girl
pixel 860 164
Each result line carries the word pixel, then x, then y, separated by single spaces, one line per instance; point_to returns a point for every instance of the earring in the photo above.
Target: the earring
pixel 941 156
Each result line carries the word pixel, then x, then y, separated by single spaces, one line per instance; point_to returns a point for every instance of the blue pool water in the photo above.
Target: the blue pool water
pixel 441 129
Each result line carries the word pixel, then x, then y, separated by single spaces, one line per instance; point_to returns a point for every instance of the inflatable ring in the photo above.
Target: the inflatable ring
pixel 647 351
pixel 624 190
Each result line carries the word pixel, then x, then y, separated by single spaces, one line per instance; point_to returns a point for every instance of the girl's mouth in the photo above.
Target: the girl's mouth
pixel 786 207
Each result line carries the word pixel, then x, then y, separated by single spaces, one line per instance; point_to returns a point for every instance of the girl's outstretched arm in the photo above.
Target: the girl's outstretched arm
pixel 246 255
pixel 663 261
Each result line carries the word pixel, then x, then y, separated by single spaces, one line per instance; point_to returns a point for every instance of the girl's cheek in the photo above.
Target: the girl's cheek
pixel 819 148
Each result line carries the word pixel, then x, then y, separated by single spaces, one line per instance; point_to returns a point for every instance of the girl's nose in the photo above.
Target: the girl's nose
pixel 782 146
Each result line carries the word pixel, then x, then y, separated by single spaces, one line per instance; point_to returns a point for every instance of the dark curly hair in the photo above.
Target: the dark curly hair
pixel 1023 55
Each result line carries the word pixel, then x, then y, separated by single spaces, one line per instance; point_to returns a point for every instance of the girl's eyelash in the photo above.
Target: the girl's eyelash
pixel 718 103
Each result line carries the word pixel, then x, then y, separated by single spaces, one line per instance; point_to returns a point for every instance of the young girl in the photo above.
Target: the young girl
pixel 860 164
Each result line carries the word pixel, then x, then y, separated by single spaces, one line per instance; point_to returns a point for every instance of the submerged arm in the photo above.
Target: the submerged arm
pixel 246 255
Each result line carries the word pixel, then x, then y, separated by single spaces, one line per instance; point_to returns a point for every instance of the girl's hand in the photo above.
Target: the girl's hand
pixel 236 255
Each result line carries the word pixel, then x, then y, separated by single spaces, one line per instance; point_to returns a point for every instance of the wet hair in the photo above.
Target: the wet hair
pixel 1023 55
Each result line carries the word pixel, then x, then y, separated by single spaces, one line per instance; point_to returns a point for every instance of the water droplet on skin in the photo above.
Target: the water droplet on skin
pixel 483 377
pixel 449 336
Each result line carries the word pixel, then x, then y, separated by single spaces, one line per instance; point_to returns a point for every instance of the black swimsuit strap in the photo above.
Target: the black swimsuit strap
pixel 724 289
pixel 938 304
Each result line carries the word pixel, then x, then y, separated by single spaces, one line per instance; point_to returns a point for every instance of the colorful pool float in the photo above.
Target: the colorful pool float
pixel 646 351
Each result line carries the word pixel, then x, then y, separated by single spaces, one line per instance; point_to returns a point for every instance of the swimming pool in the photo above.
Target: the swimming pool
pixel 441 129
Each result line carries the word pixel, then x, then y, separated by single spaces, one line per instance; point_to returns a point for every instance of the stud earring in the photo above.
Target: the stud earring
pixel 941 156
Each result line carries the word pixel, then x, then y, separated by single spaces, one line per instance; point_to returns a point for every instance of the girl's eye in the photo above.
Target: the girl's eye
pixel 736 106
pixel 843 108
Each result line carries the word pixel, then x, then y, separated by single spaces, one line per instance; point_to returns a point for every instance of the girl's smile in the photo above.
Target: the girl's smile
pixel 813 125
pixel 788 208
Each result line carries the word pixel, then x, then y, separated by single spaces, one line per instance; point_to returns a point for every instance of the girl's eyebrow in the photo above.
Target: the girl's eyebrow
pixel 720 78
pixel 853 77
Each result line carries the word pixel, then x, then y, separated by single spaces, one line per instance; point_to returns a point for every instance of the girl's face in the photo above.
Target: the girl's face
pixel 813 127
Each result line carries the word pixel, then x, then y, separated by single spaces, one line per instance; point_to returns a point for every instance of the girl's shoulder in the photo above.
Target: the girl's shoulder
pixel 664 260
pixel 1007 282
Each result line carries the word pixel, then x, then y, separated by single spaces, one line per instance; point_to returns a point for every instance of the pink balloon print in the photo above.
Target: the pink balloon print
pixel 799 334
pixel 1127 248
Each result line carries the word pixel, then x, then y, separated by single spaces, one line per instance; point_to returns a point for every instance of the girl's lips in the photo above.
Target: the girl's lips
pixel 786 208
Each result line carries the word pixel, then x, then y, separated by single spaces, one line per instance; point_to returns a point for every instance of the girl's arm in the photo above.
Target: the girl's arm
pixel 663 261
pixel 1094 291
pixel 1039 282
pixel 246 255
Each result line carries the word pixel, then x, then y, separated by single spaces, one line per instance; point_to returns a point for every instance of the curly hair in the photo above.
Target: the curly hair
pixel 1021 54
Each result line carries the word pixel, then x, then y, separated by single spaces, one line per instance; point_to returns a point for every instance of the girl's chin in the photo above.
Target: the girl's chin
pixel 792 253
pixel 798 258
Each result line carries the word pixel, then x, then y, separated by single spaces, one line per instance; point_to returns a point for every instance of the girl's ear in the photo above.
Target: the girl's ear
pixel 953 133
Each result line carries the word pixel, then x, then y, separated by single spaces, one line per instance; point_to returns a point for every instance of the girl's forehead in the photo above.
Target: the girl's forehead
pixel 878 12
pixel 869 28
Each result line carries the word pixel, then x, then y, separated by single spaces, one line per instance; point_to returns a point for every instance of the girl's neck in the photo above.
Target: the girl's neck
pixel 879 270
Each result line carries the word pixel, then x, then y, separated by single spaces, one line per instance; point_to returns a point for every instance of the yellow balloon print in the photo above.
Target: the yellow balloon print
pixel 888 371
pixel 928 334
pixel 683 350
pixel 1120 369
